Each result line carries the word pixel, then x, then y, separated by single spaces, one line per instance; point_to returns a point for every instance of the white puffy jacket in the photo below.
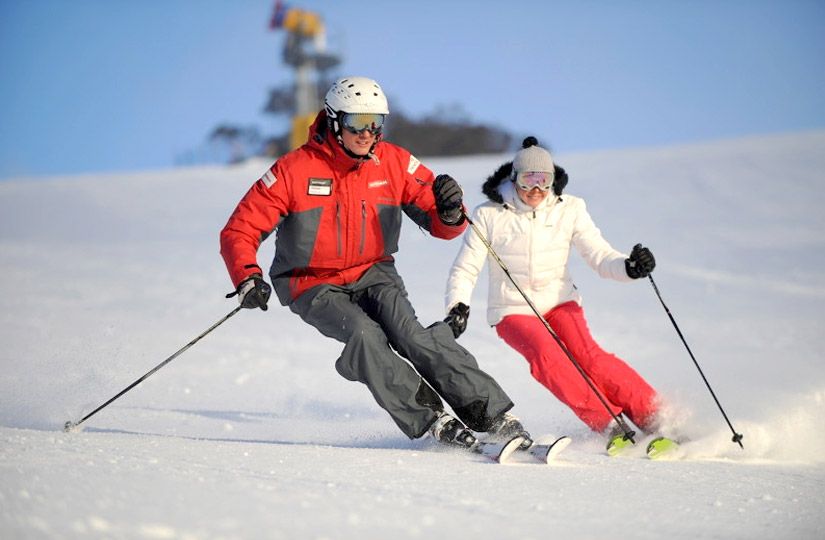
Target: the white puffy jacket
pixel 535 247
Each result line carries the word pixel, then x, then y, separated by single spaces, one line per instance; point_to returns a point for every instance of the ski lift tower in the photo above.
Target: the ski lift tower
pixel 305 51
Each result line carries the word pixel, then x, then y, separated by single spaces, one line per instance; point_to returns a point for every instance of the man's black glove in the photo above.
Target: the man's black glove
pixel 457 318
pixel 253 292
pixel 448 199
pixel 640 263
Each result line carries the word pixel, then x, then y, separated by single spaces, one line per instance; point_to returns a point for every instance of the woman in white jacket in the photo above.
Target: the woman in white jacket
pixel 532 229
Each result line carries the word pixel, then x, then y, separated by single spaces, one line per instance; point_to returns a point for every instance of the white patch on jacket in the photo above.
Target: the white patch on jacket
pixel 413 164
pixel 269 178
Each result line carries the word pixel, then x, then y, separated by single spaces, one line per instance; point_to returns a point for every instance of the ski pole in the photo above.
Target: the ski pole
pixel 628 433
pixel 69 426
pixel 737 437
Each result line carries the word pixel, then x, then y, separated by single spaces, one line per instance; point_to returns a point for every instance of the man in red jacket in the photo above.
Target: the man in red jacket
pixel 336 204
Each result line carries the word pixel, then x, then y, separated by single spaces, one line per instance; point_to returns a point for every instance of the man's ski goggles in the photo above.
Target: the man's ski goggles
pixel 358 122
pixel 528 180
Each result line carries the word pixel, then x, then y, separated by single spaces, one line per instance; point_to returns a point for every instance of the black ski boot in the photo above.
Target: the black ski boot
pixel 507 426
pixel 449 430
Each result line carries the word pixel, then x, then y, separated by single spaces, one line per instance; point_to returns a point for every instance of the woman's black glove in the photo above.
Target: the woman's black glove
pixel 640 263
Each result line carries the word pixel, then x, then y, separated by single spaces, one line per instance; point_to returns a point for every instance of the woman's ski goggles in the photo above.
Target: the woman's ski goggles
pixel 529 179
pixel 358 122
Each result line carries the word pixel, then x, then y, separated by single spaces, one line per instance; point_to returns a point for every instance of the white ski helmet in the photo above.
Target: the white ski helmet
pixel 353 95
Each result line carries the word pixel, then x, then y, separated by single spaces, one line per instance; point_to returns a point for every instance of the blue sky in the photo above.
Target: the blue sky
pixel 104 85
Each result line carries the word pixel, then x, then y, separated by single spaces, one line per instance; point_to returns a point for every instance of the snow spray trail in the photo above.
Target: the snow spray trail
pixel 793 434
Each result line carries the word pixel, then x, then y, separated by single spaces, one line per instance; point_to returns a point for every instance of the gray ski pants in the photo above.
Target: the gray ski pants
pixel 374 319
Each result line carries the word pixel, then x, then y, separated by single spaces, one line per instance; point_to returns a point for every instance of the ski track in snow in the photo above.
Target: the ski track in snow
pixel 252 434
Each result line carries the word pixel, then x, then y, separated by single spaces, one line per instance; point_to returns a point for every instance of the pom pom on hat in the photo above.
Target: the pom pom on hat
pixel 532 157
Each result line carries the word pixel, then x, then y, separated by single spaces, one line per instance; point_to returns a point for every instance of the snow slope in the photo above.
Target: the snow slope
pixel 252 434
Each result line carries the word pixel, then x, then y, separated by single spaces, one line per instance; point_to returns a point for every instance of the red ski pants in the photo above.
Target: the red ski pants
pixel 624 390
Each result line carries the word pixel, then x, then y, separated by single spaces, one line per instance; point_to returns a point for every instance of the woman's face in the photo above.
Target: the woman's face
pixel 532 197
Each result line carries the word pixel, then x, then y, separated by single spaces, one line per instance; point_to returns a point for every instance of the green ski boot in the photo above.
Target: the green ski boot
pixel 617 444
pixel 662 448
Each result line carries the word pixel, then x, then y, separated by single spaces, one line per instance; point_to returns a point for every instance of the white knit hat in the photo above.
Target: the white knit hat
pixel 533 158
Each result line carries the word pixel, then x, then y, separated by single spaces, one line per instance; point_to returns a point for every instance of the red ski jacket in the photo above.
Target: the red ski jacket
pixel 335 216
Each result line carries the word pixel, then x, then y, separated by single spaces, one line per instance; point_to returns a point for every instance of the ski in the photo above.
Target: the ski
pixel 547 447
pixel 500 452
pixel 543 449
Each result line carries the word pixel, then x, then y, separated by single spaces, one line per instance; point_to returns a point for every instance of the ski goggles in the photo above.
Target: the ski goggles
pixel 358 122
pixel 532 179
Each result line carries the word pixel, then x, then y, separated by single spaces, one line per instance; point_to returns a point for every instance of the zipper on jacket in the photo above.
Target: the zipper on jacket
pixel 531 240
pixel 338 225
pixel 363 226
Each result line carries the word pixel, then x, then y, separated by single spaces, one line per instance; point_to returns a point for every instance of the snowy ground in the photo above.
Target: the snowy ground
pixel 252 434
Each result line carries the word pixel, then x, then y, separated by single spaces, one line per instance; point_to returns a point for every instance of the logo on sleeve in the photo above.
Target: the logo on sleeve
pixel 269 178
pixel 414 163
pixel 320 186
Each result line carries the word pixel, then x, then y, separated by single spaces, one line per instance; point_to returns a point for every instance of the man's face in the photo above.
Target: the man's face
pixel 360 130
pixel 358 143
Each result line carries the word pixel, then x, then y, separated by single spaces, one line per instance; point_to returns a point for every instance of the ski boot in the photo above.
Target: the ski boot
pixel 617 442
pixel 450 431
pixel 662 448
pixel 506 426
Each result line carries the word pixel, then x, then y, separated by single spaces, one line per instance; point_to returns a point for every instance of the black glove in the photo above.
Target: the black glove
pixel 640 263
pixel 254 292
pixel 448 199
pixel 559 180
pixel 457 318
